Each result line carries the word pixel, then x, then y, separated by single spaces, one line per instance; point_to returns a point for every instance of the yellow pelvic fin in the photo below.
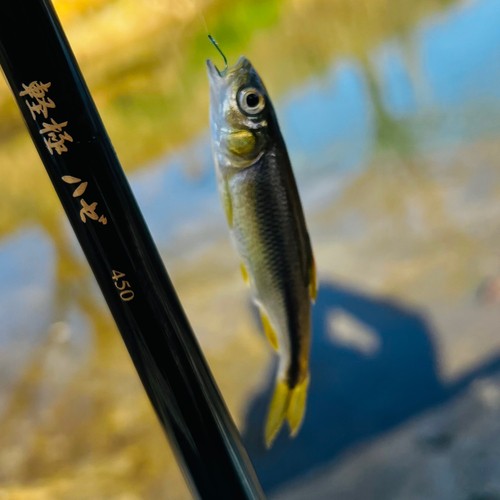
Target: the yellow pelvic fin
pixel 271 335
pixel 245 274
pixel 313 286
pixel 287 404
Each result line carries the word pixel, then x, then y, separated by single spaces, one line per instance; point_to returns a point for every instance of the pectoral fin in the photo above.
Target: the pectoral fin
pixel 228 208
pixel 313 287
pixel 271 335
pixel 225 196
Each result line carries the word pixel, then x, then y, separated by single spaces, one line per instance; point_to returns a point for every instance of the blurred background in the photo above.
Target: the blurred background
pixel 391 111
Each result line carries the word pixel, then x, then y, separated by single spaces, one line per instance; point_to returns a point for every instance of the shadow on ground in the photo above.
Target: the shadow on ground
pixel 354 395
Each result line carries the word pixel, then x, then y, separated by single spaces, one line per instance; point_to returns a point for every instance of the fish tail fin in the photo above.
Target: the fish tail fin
pixel 297 406
pixel 277 411
pixel 287 403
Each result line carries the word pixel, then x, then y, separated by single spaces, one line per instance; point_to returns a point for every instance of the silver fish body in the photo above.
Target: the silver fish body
pixel 267 225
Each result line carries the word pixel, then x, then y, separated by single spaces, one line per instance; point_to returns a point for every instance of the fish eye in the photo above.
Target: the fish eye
pixel 251 101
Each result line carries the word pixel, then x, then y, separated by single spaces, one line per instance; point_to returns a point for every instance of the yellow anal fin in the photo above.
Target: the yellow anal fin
pixel 245 274
pixel 313 286
pixel 289 404
pixel 271 335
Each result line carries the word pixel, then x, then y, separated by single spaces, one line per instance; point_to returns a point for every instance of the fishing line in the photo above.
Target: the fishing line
pixel 200 12
pixel 211 38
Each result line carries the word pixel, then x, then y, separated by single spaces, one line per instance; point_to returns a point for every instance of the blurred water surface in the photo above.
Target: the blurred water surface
pixel 391 111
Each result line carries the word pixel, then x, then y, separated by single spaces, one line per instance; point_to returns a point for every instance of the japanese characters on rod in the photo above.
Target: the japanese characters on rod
pixel 55 140
pixel 56 136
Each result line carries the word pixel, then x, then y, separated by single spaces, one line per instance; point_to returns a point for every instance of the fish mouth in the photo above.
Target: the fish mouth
pixel 215 75
pixel 243 63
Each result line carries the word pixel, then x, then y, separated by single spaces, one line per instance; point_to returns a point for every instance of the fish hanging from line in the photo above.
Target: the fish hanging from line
pixel 268 230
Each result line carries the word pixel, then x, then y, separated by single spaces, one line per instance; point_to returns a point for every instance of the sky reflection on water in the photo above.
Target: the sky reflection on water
pixel 329 123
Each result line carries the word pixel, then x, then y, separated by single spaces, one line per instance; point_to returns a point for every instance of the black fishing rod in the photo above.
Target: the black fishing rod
pixel 82 165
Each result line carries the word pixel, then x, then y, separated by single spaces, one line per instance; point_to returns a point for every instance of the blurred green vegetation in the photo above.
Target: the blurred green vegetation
pixel 144 61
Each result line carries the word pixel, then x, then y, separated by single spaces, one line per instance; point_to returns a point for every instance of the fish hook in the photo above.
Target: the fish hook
pixel 212 39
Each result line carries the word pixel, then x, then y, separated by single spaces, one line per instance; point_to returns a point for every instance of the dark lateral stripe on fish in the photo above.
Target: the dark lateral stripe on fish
pixel 279 261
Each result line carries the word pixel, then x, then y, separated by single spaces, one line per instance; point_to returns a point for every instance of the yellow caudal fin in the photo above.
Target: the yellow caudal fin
pixel 313 287
pixel 245 274
pixel 287 404
pixel 277 411
pixel 297 407
pixel 271 335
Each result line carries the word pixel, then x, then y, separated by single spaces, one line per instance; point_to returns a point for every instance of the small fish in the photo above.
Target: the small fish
pixel 268 230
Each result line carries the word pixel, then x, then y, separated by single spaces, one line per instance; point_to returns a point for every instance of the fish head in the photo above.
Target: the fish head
pixel 240 110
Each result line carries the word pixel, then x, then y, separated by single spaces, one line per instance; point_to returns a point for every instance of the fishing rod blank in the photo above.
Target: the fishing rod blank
pixel 82 165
